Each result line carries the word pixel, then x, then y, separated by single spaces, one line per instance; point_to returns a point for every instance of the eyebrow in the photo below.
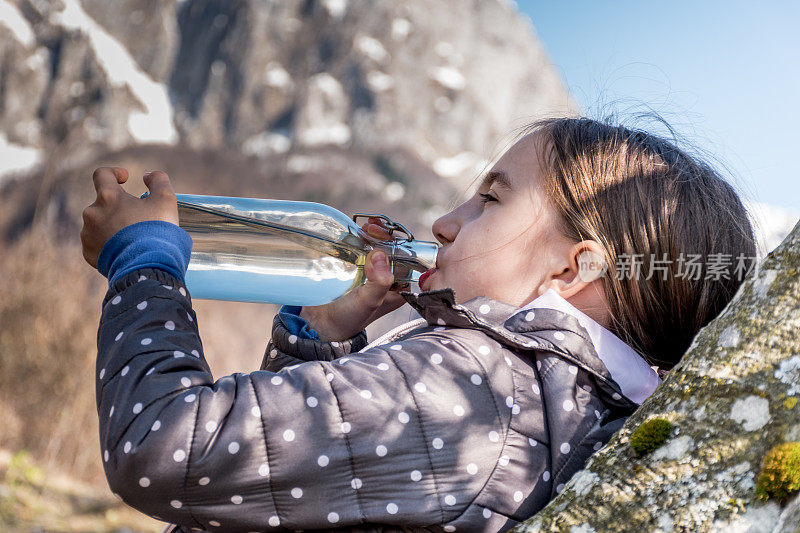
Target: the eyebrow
pixel 501 178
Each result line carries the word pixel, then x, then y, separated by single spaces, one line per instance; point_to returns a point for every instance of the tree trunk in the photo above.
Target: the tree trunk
pixel 731 399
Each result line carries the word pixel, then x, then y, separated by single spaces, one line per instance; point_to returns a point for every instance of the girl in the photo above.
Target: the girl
pixel 472 418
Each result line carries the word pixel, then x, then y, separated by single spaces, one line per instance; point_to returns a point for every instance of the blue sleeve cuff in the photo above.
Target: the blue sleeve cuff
pixel 149 244
pixel 290 316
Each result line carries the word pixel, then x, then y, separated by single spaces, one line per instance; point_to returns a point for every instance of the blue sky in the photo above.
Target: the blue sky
pixel 726 75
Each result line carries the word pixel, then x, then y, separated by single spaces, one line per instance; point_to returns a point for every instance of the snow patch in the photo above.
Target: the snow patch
pixel 38 59
pixel 583 481
pixel 729 338
pixel 336 8
pixel 156 123
pixel 751 412
pixel 448 77
pixel 276 76
pixel 673 449
pixel 266 143
pixel 19 25
pixel 372 48
pixel 393 191
pixel 15 158
pixel 789 374
pixel 378 81
pixel 756 519
pixel 400 29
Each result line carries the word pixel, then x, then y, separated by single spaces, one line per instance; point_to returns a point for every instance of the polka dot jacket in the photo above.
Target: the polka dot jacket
pixel 471 421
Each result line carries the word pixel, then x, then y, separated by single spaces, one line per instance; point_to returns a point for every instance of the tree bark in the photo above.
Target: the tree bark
pixel 731 398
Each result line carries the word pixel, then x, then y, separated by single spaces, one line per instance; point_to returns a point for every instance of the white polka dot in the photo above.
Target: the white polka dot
pixel 391 508
pixel 335 344
pixel 311 401
pixel 256 411
pixel 559 488
pixel 195 353
pixel 179 456
pixel 236 499
pixel 616 396
pixel 263 470
pixel 105 456
pixel 395 347
pixel 450 499
pixel 458 410
pixel 535 388
pixel 366 394
pixel 274 521
pixel 532 442
pixel 383 366
pixel 439 329
pixel 529 316
pixel 333 518
pixel 503 461
pixel 190 398
pixel 494 436
pixel 211 426
pixel 142 278
pixel 102 373
pixel 449 529
pixel 323 460
pixel 508 361
pixel 169 324
pixel 273 354
pixel 150 371
pixel 518 496
pixel 546 476
pixel 568 405
pixel 436 358
pixel 472 469
pixel 214 523
pixel 125 370
pixel 475 379
pixel 437 443
pixel 176 504
pixel 329 376
pixel 141 306
pixel 233 447
pixel 440 321
pixel 276 380
pixel 343 360
pixel 381 450
pixel 111 412
pixel 355 483
pixel 203 481
pixel 288 435
pixel 565 447
pixel 156 425
pixel 597 414
pixel 445 341
pixel 559 336
pixel 182 291
pixel 119 336
pixel 573 370
pixel 146 341
pixel 420 387
pixel 186 382
pixel 403 417
pixel 292 339
pixel 178 354
pixel 189 317
pixel 297 492
pixel 587 388
pixel 137 408
pixel 416 475
pixel 515 409
pixel 597 445
pixel 484 309
pixel 346 427
pixel 509 402
pixel 116 300
pixel 487 513
pixel 483 350
pixel 144 482
pixel 127 447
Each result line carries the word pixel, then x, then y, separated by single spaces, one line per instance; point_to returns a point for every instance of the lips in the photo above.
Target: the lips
pixel 425 275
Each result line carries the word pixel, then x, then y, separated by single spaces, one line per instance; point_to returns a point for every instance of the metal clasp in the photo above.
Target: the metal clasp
pixel 392 226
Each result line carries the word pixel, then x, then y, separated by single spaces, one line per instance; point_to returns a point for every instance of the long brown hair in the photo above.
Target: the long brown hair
pixel 637 193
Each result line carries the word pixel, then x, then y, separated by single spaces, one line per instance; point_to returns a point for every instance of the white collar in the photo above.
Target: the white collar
pixel 634 376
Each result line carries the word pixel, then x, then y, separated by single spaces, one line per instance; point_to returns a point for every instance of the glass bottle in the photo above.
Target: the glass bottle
pixel 287 252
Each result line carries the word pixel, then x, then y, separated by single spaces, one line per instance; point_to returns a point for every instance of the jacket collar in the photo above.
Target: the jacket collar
pixel 541 324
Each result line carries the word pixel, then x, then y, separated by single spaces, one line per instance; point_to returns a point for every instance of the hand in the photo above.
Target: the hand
pixel 114 208
pixel 349 314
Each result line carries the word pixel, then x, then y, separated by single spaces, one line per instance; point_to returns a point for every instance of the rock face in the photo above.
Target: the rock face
pixel 443 80
pixel 732 398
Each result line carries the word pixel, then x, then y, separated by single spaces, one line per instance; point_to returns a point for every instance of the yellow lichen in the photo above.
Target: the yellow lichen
pixel 650 435
pixel 780 472
pixel 790 402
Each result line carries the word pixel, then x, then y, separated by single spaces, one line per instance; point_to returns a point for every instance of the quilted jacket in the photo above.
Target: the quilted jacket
pixel 471 419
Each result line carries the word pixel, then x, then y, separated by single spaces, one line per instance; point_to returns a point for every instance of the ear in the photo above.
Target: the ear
pixel 579 266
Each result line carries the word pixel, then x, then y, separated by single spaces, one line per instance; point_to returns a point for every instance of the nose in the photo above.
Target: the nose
pixel 446 227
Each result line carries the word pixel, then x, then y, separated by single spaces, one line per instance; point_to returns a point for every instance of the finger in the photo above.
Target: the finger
pixel 379 279
pixel 109 178
pixel 376 231
pixel 159 184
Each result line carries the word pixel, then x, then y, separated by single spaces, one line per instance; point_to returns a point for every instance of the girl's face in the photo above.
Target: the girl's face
pixel 504 242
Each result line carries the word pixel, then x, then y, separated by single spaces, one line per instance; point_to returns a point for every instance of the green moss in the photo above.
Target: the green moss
pixel 650 435
pixel 780 472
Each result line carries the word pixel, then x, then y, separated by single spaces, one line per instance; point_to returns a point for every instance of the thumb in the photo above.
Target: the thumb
pixel 158 183
pixel 379 278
